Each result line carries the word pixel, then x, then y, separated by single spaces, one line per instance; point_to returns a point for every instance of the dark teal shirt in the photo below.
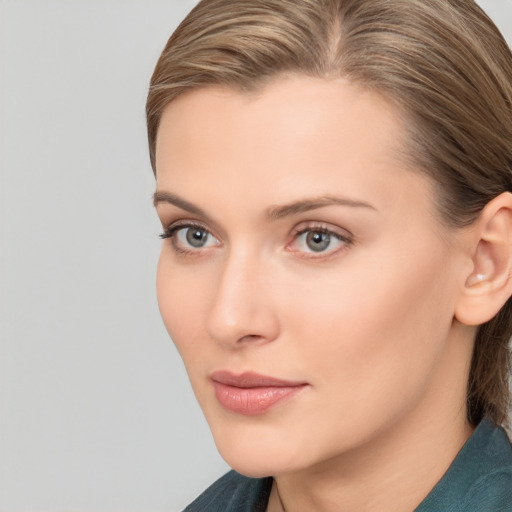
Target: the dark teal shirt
pixel 478 480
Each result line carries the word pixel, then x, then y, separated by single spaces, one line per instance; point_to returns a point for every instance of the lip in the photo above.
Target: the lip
pixel 250 393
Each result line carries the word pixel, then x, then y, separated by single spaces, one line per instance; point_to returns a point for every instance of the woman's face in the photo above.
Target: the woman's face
pixel 305 279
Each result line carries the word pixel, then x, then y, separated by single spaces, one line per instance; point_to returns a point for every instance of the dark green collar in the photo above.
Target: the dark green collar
pixel 480 477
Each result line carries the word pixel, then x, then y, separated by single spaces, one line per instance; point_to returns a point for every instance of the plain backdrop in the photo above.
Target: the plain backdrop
pixel 96 413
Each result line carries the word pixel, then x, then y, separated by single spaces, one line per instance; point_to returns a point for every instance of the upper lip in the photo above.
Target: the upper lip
pixel 251 380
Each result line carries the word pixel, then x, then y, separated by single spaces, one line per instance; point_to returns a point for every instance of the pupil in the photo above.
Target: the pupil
pixel 196 237
pixel 318 241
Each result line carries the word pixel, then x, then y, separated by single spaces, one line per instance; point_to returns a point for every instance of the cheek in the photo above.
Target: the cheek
pixel 370 339
pixel 181 297
pixel 372 322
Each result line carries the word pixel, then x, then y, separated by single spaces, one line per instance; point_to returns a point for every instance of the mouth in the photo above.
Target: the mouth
pixel 251 394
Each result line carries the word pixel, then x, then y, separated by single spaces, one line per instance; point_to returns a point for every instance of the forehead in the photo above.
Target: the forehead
pixel 296 136
pixel 294 105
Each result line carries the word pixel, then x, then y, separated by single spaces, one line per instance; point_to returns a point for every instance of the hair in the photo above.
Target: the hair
pixel 443 63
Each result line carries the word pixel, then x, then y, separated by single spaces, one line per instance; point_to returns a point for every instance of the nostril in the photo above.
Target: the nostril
pixel 250 337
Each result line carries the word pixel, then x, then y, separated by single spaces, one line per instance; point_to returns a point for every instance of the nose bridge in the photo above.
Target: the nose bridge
pixel 241 309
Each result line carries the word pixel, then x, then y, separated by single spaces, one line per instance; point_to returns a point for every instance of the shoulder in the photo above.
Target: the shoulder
pixel 492 489
pixel 492 492
pixel 233 493
pixel 480 477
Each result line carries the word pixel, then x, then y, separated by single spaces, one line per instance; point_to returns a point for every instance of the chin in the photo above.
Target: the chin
pixel 259 453
pixel 252 471
pixel 264 465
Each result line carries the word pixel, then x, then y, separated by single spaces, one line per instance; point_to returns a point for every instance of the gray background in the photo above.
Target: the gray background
pixel 96 414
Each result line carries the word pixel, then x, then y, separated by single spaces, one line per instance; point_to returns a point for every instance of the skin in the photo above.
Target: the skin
pixel 368 323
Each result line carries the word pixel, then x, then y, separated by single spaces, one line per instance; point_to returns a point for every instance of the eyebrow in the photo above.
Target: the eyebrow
pixel 275 212
pixel 167 197
pixel 278 212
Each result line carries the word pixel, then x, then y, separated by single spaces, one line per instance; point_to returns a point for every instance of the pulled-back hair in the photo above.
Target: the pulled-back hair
pixel 442 63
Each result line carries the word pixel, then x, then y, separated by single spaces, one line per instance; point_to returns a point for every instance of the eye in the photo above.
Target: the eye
pixel 318 241
pixel 194 236
pixel 190 237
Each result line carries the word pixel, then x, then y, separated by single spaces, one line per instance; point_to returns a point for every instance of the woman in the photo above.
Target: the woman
pixel 334 182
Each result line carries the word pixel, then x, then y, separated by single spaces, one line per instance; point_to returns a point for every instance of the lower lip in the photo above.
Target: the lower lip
pixel 253 401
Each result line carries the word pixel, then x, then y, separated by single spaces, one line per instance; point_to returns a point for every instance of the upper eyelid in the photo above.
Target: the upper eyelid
pixel 301 227
pixel 174 226
pixel 169 222
pixel 324 227
pixel 320 230
pixel 184 208
pixel 169 230
pixel 187 223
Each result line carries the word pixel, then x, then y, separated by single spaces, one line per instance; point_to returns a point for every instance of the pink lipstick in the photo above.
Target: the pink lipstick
pixel 250 393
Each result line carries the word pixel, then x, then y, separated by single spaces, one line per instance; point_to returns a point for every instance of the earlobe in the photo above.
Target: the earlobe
pixel 489 284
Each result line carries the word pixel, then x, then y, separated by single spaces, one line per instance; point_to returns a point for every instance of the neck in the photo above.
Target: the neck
pixel 398 467
pixel 391 479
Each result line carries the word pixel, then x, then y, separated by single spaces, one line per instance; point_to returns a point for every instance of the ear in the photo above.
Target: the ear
pixel 488 284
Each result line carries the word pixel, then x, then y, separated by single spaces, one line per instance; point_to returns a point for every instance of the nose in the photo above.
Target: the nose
pixel 242 309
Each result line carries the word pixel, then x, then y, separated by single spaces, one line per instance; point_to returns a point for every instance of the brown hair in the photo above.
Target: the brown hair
pixel 441 62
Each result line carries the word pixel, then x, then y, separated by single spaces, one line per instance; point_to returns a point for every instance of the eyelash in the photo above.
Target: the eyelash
pixel 171 230
pixel 346 240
